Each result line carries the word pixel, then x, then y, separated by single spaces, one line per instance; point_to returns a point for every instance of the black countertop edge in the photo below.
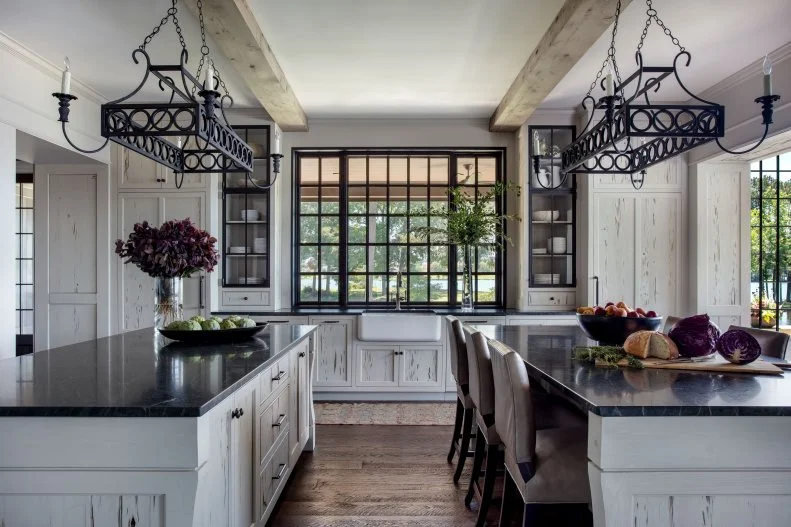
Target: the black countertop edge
pixel 305 311
pixel 691 411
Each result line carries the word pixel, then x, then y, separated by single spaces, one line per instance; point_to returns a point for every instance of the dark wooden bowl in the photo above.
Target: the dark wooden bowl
pixel 213 336
pixel 612 331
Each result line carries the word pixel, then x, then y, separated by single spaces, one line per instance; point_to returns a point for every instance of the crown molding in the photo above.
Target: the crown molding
pixel 751 70
pixel 35 60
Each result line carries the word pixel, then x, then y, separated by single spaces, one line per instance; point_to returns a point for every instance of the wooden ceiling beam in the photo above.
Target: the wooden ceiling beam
pixel 577 26
pixel 233 27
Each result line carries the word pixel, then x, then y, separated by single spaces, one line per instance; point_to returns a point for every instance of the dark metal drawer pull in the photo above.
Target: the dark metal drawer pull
pixel 237 413
pixel 280 472
pixel 280 421
pixel 280 375
pixel 331 322
pixel 301 353
pixel 277 321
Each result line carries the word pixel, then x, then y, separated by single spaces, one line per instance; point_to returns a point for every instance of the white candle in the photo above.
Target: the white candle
pixel 608 84
pixel 208 83
pixel 278 141
pixel 767 76
pixel 65 82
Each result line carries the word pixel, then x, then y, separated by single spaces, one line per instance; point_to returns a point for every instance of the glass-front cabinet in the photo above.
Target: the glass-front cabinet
pixel 246 216
pixel 552 199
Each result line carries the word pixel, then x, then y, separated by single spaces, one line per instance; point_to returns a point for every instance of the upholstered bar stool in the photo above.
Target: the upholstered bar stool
pixel 462 425
pixel 773 343
pixel 547 467
pixel 670 321
pixel 487 441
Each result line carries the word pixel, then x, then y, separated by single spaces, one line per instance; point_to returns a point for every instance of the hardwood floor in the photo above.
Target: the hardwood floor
pixel 383 476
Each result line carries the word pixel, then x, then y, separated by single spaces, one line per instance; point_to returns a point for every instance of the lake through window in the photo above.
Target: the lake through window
pixel 357 212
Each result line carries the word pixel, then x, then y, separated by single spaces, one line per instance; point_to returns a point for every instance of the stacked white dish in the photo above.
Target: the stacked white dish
pixel 237 249
pixel 259 245
pixel 545 215
pixel 250 215
pixel 556 245
pixel 251 280
pixel 546 278
pixel 539 250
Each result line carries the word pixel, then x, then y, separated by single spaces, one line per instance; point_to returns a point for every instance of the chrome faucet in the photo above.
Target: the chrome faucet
pixel 398 291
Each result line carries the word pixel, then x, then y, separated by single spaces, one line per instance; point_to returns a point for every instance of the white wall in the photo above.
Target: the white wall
pixel 7 240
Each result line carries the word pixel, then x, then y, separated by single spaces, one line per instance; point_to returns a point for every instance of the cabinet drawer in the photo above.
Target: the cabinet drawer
pixel 273 422
pixel 548 298
pixel 245 298
pixel 270 480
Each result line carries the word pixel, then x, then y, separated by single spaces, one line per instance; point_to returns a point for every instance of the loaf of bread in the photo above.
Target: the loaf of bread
pixel 644 344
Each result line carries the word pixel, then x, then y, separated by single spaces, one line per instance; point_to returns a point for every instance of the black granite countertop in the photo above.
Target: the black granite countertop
pixel 306 311
pixel 136 374
pixel 612 392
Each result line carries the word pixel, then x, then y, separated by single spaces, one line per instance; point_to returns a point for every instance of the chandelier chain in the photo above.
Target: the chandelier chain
pixel 653 16
pixel 610 53
pixel 204 50
pixel 171 13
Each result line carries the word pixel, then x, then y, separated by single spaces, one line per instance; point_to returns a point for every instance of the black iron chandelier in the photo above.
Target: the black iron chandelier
pixel 189 133
pixel 633 133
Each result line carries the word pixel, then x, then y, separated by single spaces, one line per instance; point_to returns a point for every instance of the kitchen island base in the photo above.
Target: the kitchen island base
pixel 717 471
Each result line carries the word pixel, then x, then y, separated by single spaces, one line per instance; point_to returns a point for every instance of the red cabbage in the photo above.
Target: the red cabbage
pixel 738 346
pixel 695 336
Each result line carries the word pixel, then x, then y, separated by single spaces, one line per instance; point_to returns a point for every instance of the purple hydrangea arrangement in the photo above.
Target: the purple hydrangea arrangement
pixel 176 249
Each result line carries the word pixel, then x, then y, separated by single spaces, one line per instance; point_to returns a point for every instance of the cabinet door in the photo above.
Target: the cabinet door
pixel 137 288
pixel 168 178
pixel 294 406
pixel 190 205
pixel 136 171
pixel 377 366
pixel 243 457
pixel 421 366
pixel 334 344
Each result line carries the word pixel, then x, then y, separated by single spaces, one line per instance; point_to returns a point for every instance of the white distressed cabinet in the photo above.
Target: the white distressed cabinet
pixel 407 367
pixel 241 453
pixel 137 172
pixel 136 309
pixel 333 351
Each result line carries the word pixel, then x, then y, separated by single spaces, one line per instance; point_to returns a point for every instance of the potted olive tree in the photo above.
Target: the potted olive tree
pixel 469 220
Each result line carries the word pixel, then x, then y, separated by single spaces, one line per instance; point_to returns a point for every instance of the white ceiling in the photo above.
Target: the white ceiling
pixel 402 58
pixel 723 37
pixel 99 36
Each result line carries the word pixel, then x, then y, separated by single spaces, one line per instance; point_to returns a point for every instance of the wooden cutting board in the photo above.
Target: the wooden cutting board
pixel 716 364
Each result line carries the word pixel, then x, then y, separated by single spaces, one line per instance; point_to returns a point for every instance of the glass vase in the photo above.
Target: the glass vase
pixel 167 301
pixel 466 280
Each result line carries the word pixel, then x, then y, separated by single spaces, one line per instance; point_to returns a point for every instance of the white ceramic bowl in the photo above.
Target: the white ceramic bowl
pixel 250 215
pixel 545 215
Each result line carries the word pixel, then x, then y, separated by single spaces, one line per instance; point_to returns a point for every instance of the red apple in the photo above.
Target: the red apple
pixel 619 312
pixel 640 311
pixel 600 311
pixel 633 314
pixel 651 314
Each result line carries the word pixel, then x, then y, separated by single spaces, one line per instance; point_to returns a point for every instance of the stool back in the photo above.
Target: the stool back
pixel 670 321
pixel 458 351
pixel 773 343
pixel 481 381
pixel 515 423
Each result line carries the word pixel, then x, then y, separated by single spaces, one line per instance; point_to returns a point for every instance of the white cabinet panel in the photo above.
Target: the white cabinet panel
pixel 333 346
pixel 242 457
pixel 20 510
pixel 137 171
pixel 545 320
pixel 659 257
pixel 378 366
pixel 421 366
pixel 552 298
pixel 614 246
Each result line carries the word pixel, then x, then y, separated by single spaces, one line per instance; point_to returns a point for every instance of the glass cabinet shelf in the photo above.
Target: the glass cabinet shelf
pixel 551 206
pixel 246 216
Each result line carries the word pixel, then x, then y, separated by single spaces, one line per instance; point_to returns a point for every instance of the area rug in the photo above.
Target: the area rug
pixel 385 413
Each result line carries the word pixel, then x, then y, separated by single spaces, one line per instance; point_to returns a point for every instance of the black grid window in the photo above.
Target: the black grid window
pixel 357 213
pixel 24 254
pixel 770 241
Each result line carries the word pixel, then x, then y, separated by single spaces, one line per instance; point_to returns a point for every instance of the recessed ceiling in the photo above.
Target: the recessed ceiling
pixel 723 37
pixel 404 58
pixel 99 36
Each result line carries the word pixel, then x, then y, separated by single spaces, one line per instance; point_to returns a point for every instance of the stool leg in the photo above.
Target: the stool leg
pixel 505 504
pixel 465 442
pixel 492 458
pixel 480 444
pixel 456 428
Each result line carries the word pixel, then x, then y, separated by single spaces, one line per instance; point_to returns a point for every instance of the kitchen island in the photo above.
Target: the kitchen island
pixel 670 447
pixel 136 430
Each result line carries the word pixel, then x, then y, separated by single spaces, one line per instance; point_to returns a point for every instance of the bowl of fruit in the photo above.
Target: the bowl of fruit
pixel 214 330
pixel 611 324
